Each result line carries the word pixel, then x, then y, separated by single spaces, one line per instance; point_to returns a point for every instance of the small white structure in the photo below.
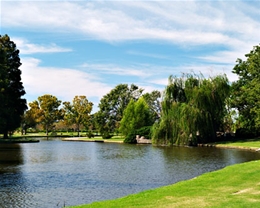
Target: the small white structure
pixel 142 140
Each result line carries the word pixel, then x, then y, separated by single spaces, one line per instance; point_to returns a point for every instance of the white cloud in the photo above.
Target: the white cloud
pixel 26 47
pixel 184 23
pixel 137 53
pixel 135 70
pixel 64 83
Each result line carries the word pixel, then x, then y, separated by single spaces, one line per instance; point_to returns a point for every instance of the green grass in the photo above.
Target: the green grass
pixel 247 144
pixel 115 139
pixel 233 186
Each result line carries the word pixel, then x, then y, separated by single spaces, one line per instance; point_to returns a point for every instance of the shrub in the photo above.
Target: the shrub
pixel 130 138
pixel 144 131
pixel 89 134
pixel 244 133
pixel 107 135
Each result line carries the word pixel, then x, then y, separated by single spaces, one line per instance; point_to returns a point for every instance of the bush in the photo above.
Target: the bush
pixel 144 131
pixel 244 133
pixel 130 138
pixel 107 135
pixel 89 134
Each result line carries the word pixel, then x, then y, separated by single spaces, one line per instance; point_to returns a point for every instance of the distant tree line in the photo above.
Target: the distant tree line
pixel 192 109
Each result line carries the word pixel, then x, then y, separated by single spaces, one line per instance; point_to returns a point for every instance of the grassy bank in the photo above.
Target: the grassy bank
pixel 233 186
pixel 242 144
pixel 114 139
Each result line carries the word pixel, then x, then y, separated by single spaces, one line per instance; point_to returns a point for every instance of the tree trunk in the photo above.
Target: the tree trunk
pixel 47 132
pixel 78 130
pixel 5 135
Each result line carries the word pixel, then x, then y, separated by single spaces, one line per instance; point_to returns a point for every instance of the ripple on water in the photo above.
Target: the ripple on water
pixel 56 173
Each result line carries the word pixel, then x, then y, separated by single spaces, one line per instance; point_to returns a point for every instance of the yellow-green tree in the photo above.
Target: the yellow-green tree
pixel 78 112
pixel 46 111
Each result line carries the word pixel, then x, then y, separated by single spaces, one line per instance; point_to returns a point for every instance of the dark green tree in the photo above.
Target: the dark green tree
pixel 12 105
pixel 112 106
pixel 245 96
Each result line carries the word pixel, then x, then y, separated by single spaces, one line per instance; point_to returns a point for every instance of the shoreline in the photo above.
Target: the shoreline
pixel 224 146
pixel 17 141
pixel 84 139
pixel 230 147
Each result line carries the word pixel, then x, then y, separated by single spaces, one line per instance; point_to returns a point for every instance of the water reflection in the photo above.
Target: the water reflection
pixel 10 157
pixel 13 184
pixel 54 173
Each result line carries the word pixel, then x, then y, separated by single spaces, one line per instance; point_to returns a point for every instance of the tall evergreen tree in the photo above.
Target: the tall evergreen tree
pixel 12 105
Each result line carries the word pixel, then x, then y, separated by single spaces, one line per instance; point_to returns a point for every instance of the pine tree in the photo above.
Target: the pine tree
pixel 12 105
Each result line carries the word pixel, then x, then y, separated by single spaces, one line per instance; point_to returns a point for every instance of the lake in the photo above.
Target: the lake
pixel 55 173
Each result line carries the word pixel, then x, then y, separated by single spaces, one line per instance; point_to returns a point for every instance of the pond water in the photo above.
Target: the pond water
pixel 55 173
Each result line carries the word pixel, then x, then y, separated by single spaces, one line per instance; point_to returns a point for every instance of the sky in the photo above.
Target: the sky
pixel 70 48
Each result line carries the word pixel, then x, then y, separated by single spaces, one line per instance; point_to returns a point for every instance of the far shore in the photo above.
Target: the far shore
pixel 85 139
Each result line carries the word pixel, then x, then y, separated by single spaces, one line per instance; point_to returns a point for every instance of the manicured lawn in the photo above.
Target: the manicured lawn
pixel 114 139
pixel 247 144
pixel 233 186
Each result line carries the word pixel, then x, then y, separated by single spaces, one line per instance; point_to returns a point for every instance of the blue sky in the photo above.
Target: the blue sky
pixel 70 48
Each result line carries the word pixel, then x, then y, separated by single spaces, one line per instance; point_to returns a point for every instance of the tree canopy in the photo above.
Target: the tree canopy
pixel 78 112
pixel 245 96
pixel 136 116
pixel 112 105
pixel 46 111
pixel 12 105
pixel 193 107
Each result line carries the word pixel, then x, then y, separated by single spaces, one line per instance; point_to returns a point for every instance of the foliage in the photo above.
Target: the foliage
pixel 12 105
pixel 46 111
pixel 154 103
pixel 143 131
pixel 192 106
pixel 90 134
pixel 130 137
pixel 78 112
pixel 28 121
pixel 244 133
pixel 127 122
pixel 245 94
pixel 107 135
pixel 136 116
pixel 112 105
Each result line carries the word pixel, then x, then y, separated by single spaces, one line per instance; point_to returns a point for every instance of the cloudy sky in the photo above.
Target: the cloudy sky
pixel 70 48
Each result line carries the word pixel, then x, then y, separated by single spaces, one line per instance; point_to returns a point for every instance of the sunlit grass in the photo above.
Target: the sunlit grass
pixel 233 186
pixel 250 143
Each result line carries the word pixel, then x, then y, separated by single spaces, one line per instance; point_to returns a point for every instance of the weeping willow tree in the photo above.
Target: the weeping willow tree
pixel 193 109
